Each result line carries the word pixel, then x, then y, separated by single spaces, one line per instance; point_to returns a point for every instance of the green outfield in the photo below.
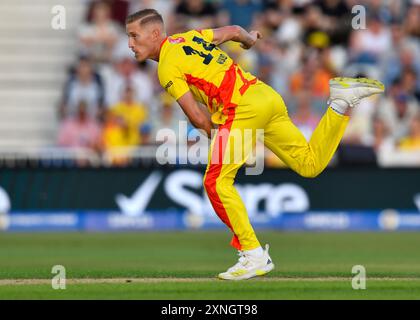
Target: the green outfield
pixel 183 265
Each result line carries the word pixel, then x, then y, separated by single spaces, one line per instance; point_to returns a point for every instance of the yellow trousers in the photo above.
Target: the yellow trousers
pixel 263 108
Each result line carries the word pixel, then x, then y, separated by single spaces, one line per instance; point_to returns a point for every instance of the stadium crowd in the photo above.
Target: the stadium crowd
pixel 109 100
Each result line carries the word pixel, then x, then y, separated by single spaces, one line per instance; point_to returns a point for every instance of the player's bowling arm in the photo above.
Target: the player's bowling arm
pixel 198 117
pixel 237 34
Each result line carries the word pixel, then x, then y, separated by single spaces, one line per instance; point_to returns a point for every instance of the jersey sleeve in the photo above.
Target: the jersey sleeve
pixel 207 34
pixel 172 80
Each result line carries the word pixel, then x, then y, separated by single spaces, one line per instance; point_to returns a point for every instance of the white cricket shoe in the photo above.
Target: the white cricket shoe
pixel 249 266
pixel 352 90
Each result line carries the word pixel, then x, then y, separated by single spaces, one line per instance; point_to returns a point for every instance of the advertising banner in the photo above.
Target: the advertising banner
pixel 134 191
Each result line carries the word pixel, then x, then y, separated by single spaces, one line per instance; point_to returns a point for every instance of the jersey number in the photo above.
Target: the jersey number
pixel 189 51
pixel 207 46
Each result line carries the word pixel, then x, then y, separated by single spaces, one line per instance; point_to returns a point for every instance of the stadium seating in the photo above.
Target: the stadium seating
pixel 33 59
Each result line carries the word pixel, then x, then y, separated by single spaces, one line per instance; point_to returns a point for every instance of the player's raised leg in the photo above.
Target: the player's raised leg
pixel 309 159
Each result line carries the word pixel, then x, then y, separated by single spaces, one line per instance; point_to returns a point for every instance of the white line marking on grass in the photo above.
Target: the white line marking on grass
pixel 6 282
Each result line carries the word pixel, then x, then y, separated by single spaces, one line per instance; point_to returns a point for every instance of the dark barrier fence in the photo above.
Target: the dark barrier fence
pixel 164 198
pixel 133 190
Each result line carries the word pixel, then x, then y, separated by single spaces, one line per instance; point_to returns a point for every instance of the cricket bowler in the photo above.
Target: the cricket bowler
pixel 192 68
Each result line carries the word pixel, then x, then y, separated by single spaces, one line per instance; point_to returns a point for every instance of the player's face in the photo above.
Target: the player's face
pixel 140 40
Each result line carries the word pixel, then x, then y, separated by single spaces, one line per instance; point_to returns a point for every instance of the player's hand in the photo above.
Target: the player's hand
pixel 253 37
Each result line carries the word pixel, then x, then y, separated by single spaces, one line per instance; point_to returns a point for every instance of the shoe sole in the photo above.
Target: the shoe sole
pixel 257 273
pixel 344 83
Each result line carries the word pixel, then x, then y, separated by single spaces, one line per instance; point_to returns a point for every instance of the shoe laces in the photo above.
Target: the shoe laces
pixel 355 101
pixel 243 261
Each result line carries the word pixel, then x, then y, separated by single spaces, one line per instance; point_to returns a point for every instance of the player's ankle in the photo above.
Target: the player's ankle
pixel 257 252
pixel 339 106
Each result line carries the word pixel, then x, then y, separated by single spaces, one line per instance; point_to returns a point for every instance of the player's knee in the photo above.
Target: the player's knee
pixel 209 185
pixel 214 188
pixel 311 168
pixel 311 173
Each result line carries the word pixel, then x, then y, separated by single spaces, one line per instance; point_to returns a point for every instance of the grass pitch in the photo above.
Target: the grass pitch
pixel 183 265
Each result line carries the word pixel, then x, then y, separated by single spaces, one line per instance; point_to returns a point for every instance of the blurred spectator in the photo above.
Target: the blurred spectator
pixel 355 149
pixel 285 60
pixel 388 153
pixel 313 76
pixel 245 58
pixel 288 27
pixel 272 21
pixel 132 114
pixel 125 73
pixel 198 14
pixel 241 12
pixel 266 60
pixel 80 130
pixel 168 118
pixel 409 83
pixel 360 122
pixel 118 9
pixel 117 139
pixel 315 25
pixel 338 20
pixel 333 9
pixel 98 38
pixel 304 118
pixel 84 84
pixel 116 132
pixel 366 46
pixel 379 137
pixel 146 134
pixel 405 56
pixel 397 10
pixel 397 110
pixel 412 141
pixel 412 20
pixel 381 10
pixel 398 37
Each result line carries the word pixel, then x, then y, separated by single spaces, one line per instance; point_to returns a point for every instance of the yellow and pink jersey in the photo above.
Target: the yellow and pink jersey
pixel 189 61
